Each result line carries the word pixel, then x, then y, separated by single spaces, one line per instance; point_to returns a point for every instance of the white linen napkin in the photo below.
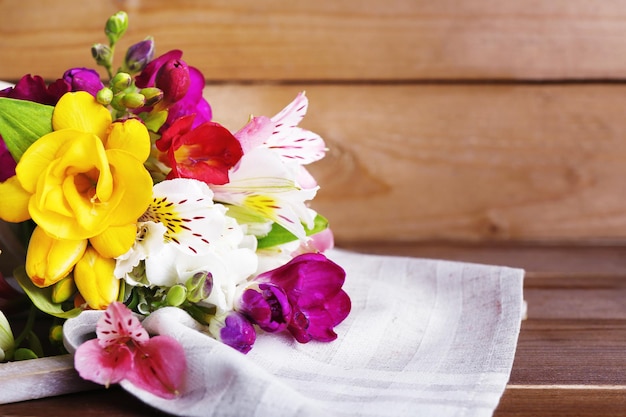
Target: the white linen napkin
pixel 424 338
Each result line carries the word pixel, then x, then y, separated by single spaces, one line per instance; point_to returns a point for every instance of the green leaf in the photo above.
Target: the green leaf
pixel 23 354
pixel 42 297
pixel 154 120
pixel 35 344
pixel 279 235
pixel 22 122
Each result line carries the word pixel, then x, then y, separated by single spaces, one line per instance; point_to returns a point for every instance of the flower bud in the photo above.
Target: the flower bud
pixel 173 78
pixel 117 102
pixel 116 26
pixel 152 94
pixel 121 81
pixel 7 342
pixel 139 54
pixel 199 286
pixel 133 100
pixel 176 295
pixel 48 260
pixel 83 79
pixel 95 280
pixel 102 54
pixel 63 290
pixel 56 334
pixel 104 96
pixel 233 329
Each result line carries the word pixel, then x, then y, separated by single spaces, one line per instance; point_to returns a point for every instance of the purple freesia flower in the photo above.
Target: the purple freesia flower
pixel 269 307
pixel 83 79
pixel 312 284
pixel 7 163
pixel 33 88
pixel 233 329
pixel 192 102
pixel 139 54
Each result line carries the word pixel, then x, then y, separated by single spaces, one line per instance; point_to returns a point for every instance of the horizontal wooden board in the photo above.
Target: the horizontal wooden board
pixel 545 264
pixel 330 40
pixel 558 401
pixel 459 162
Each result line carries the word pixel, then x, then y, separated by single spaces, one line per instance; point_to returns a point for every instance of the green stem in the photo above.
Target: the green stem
pixel 30 322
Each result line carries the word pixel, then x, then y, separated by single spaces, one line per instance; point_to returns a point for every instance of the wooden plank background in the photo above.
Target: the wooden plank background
pixel 475 121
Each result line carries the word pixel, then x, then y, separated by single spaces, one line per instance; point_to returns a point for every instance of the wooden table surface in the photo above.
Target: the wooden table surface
pixel 571 354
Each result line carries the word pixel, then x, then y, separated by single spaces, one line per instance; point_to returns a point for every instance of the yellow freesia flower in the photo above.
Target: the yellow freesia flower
pixel 83 181
pixel 94 278
pixel 49 260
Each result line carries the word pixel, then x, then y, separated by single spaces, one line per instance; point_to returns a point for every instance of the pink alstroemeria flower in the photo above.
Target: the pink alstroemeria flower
pixel 282 135
pixel 317 302
pixel 123 350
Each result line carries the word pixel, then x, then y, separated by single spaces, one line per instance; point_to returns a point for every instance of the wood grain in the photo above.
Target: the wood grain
pixel 546 401
pixel 329 40
pixel 41 378
pixel 569 361
pixel 459 162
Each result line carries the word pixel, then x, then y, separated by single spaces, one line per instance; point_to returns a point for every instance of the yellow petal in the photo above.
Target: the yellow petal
pixel 130 136
pixel 133 183
pixel 14 201
pixel 48 260
pixel 93 276
pixel 115 241
pixel 81 111
pixel 39 156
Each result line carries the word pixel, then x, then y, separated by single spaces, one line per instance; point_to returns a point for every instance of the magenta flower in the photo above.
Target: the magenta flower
pixel 83 79
pixel 233 329
pixel 269 307
pixel 147 77
pixel 312 284
pixel 123 350
pixel 192 102
pixel 33 88
pixel 7 163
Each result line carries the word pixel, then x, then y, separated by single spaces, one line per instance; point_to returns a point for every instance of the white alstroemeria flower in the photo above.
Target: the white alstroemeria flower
pixel 182 232
pixel 182 211
pixel 150 239
pixel 264 185
pixel 229 262
pixel 185 207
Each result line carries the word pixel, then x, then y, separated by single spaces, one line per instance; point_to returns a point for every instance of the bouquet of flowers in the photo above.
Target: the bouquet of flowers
pixel 131 199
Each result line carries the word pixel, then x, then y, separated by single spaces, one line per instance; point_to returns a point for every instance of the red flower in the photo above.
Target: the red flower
pixel 205 152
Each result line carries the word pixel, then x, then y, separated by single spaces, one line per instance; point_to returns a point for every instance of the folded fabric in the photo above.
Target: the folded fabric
pixel 424 338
